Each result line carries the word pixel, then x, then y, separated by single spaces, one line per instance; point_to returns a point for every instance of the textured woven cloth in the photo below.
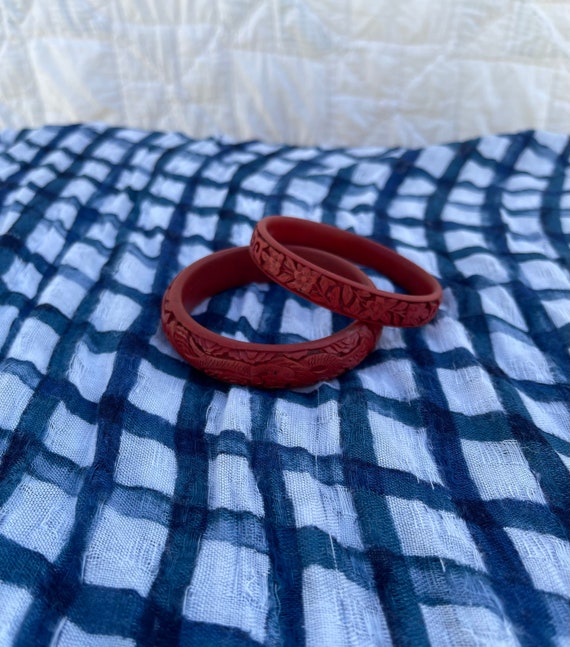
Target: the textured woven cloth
pixel 422 498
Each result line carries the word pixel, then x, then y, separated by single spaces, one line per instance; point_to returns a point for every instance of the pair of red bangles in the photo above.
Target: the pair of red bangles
pixel 312 260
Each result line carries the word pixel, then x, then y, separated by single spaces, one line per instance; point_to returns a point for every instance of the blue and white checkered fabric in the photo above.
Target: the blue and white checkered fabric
pixel 422 498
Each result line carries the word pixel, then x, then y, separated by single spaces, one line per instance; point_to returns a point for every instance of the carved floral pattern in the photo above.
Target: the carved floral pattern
pixel 305 279
pixel 273 368
pixel 272 260
pixel 336 294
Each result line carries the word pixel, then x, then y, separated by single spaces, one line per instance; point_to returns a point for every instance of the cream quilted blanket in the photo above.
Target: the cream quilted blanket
pixel 318 72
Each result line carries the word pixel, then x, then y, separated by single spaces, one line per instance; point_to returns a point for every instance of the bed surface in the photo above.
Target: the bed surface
pixel 316 72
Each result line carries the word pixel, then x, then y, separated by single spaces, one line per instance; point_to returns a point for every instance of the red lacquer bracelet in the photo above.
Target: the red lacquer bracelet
pixel 262 365
pixel 271 250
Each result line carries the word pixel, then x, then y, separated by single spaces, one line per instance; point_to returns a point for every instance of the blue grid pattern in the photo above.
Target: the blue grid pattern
pixel 422 498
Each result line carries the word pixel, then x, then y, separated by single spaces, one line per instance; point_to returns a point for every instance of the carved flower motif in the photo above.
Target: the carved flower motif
pixel 419 314
pixel 272 261
pixel 325 364
pixel 305 278
pixel 376 309
pixel 266 375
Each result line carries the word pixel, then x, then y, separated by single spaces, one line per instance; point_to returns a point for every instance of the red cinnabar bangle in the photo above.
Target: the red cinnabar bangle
pixel 263 365
pixel 271 250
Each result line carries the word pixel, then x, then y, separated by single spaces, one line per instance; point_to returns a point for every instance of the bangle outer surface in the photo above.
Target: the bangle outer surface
pixel 346 297
pixel 260 365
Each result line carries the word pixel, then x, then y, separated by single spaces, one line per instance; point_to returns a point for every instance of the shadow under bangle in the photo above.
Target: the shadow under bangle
pixel 262 365
pixel 271 251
